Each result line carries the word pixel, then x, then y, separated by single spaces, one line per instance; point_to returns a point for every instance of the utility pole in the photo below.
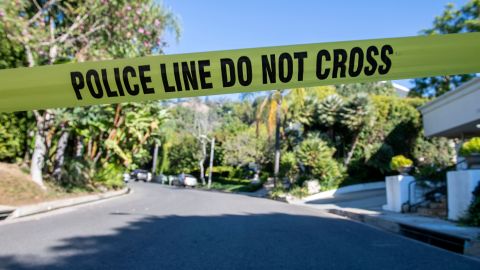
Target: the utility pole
pixel 212 147
pixel 155 154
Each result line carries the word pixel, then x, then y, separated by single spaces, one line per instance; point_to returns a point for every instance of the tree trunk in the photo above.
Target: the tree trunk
pixel 60 154
pixel 39 152
pixel 277 141
pixel 352 149
pixel 79 147
pixel 212 152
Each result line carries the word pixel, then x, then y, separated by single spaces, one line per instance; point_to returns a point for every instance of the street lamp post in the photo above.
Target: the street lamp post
pixel 212 147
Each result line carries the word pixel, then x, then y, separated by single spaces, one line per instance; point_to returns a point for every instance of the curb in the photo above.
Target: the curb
pixel 44 207
pixel 345 190
pixel 368 218
pixel 471 246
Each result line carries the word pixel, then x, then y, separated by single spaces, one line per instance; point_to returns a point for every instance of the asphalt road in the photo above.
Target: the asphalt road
pixel 166 228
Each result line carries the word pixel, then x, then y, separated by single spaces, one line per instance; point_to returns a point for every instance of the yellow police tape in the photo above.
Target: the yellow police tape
pixel 236 71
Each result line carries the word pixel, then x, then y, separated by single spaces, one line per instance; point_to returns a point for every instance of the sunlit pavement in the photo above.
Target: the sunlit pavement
pixel 159 227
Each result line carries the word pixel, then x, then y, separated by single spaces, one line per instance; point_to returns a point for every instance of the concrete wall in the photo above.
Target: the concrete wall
pixel 460 185
pixel 397 191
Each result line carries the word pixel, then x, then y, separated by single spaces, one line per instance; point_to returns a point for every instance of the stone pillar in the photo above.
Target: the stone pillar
pixel 460 185
pixel 397 191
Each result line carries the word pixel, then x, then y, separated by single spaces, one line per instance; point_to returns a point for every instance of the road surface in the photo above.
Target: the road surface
pixel 158 227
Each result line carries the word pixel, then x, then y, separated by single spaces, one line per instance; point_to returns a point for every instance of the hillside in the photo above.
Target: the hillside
pixel 16 188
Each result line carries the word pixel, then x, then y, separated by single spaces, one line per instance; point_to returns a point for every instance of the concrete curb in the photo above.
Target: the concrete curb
pixel 368 217
pixel 471 246
pixel 29 210
pixel 345 190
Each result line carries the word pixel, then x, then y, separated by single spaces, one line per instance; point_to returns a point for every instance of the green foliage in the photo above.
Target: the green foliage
pixel 240 149
pixel 11 53
pixel 452 20
pixel 471 147
pixel 221 172
pixel 110 176
pixel 109 138
pixel 379 156
pixel 182 155
pixel 77 173
pixel 354 114
pixel 277 192
pixel 298 192
pixel 434 152
pixel 399 162
pixel 289 166
pixel 472 217
pixel 328 110
pixel 315 154
pixel 374 88
pixel 89 29
pixel 13 129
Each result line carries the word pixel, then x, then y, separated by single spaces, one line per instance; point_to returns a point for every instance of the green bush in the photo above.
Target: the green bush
pixel 399 162
pixel 249 188
pixel 289 167
pixel 76 173
pixel 438 152
pixel 315 154
pixel 12 136
pixel 264 176
pixel 110 176
pixel 221 171
pixel 471 147
pixel 298 192
pixel 277 192
pixel 472 217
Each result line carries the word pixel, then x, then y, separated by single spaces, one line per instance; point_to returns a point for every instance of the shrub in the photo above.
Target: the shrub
pixel 472 217
pixel 315 154
pixel 277 192
pixel 471 147
pixel 110 176
pixel 221 171
pixel 12 135
pixel 288 166
pixel 298 192
pixel 264 176
pixel 399 162
pixel 438 152
pixel 76 173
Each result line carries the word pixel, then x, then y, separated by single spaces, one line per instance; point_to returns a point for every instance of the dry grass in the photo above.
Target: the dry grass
pixel 17 188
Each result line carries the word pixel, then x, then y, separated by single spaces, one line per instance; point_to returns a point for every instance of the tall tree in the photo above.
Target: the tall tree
pixel 452 20
pixel 57 31
pixel 355 115
pixel 272 105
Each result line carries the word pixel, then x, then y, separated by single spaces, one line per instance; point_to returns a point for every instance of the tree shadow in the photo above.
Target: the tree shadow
pixel 249 241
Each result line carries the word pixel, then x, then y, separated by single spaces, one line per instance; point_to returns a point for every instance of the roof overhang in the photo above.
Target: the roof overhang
pixel 455 114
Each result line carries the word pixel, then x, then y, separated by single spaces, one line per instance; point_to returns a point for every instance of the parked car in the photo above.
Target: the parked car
pixel 138 175
pixel 126 177
pixel 185 180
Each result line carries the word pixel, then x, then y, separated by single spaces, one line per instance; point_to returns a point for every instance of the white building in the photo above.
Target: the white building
pixel 456 114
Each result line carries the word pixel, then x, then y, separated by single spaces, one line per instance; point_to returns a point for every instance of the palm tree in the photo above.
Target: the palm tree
pixel 272 102
pixel 355 115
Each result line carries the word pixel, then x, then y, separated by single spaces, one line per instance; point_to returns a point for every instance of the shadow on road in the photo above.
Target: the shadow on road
pixel 258 241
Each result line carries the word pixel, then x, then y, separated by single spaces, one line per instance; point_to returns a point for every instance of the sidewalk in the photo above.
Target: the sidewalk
pixel 27 210
pixel 366 207
pixel 5 211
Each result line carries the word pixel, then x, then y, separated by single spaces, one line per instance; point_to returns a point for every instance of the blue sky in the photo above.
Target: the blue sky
pixel 221 25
